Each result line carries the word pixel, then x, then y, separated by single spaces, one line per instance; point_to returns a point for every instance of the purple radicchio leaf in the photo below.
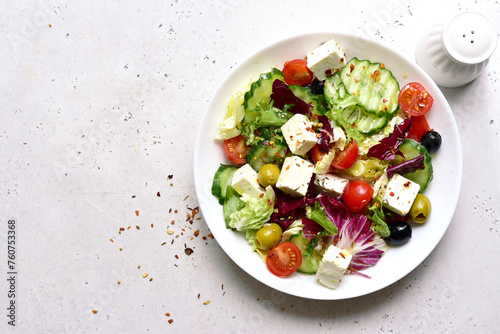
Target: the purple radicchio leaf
pixel 387 149
pixel 408 166
pixel 325 134
pixel 283 95
pixel 311 228
pixel 357 237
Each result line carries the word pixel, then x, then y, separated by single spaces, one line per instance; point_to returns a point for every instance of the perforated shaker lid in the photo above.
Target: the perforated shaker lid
pixel 470 37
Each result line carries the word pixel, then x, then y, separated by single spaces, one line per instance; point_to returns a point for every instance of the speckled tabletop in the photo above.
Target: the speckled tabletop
pixel 100 102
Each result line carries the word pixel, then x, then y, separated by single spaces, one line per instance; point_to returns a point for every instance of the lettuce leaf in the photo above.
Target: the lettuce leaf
pixel 228 128
pixel 255 213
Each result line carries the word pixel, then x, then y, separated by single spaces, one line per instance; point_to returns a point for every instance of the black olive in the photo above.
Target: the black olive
pixel 432 141
pixel 400 232
pixel 316 87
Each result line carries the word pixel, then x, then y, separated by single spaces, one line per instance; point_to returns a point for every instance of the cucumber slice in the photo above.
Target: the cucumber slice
pixel 260 93
pixel 372 85
pixel 308 97
pixel 310 259
pixel 356 117
pixel 222 179
pixel 232 203
pixel 264 153
pixel 411 149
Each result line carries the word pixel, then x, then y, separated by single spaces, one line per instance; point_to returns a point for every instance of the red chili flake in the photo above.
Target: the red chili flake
pixel 137 212
pixel 375 74
pixel 137 227
pixel 167 314
pixel 382 65
pixel 175 211
pixel 188 216
pixel 210 235
pixel 152 225
pixel 170 210
pixel 261 195
pixel 122 229
pixel 222 286
pixel 158 194
pixel 170 177
pixel 188 251
pixel 128 228
pixel 170 321
pixel 328 72
pixel 176 256
pixel 204 238
pixel 391 193
pixel 341 254
pixel 196 233
pixel 111 240
pixel 384 100
pixel 351 67
pixel 198 218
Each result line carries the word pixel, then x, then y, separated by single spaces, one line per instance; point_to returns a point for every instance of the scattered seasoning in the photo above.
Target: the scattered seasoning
pixel 196 233
pixel 210 235
pixel 170 232
pixel 199 296
pixel 282 308
pixel 188 251
pixel 133 196
pixel 258 298
pixel 94 311
pixel 207 302
pixel 145 275
pixel 170 177
pixel 171 184
pixel 121 249
pixel 172 222
pixel 204 237
pixel 167 314
pixel 175 211
pixel 158 194
pixel 111 240
pixel 137 212
pixel 170 210
pixel 185 198
pixel 138 267
pixel 151 279
pixel 170 321
pixel 137 227
pixel 119 282
pixel 176 256
pixel 50 25
pixel 163 243
pixel 128 228
pixel 152 225
pixel 222 286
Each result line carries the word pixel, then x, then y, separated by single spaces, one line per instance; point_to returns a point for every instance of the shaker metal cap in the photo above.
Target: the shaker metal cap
pixel 470 38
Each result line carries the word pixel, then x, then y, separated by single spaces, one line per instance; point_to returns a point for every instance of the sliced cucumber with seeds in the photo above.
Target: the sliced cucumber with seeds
pixel 222 179
pixel 372 85
pixel 310 258
pixel 308 97
pixel 260 93
pixel 355 116
pixel 411 149
pixel 264 153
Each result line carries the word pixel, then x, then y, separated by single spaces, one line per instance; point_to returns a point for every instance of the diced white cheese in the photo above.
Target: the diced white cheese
pixel 245 181
pixel 323 165
pixel 380 186
pixel 328 58
pixel 332 266
pixel 295 176
pixel 331 184
pixel 299 134
pixel 400 194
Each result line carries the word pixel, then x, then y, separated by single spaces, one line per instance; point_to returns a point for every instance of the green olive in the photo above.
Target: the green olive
pixel 420 209
pixel 268 236
pixel 268 175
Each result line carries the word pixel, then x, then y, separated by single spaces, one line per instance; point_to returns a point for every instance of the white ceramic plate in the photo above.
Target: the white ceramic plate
pixel 443 190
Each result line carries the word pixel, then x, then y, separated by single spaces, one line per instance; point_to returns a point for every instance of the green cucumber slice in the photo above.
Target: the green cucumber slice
pixel 411 149
pixel 222 179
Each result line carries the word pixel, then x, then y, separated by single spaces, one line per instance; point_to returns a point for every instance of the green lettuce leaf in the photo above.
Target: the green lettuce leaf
pixel 255 213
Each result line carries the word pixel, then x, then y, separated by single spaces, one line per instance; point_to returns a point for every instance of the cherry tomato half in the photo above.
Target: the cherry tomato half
pixel 316 154
pixel 347 157
pixel 284 259
pixel 414 99
pixel 419 126
pixel 296 72
pixel 236 149
pixel 357 195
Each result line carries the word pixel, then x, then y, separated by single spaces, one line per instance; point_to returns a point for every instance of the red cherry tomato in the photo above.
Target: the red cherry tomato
pixel 236 149
pixel 347 157
pixel 284 259
pixel 414 99
pixel 419 126
pixel 357 195
pixel 296 72
pixel 317 154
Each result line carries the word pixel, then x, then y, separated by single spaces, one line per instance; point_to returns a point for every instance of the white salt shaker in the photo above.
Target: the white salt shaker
pixel 456 53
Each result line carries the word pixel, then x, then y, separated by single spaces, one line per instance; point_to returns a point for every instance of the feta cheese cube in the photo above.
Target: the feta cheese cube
pixel 299 134
pixel 339 136
pixel 331 184
pixel 328 58
pixel 400 194
pixel 245 181
pixel 332 266
pixel 295 176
